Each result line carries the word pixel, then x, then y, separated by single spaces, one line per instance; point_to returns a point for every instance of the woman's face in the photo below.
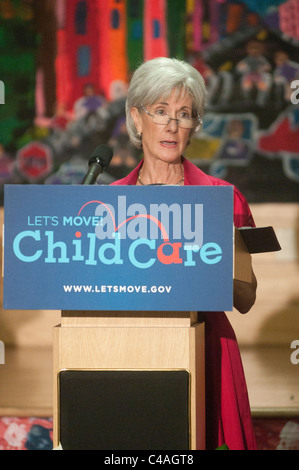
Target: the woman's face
pixel 164 142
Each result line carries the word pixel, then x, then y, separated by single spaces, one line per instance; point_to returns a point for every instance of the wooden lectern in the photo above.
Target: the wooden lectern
pixel 139 341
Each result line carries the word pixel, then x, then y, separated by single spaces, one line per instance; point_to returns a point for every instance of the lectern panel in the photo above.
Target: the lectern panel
pixel 124 409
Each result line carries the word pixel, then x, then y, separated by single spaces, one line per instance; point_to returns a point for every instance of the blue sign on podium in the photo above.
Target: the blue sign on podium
pixel 118 248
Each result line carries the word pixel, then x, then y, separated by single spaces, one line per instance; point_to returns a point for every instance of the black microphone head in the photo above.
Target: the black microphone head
pixel 101 155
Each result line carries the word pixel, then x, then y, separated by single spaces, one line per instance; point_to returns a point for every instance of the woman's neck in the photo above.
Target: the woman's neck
pixel 161 173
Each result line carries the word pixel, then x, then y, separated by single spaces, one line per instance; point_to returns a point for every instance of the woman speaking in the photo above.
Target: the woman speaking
pixel 165 106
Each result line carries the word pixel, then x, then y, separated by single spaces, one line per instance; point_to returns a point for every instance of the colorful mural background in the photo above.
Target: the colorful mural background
pixel 65 66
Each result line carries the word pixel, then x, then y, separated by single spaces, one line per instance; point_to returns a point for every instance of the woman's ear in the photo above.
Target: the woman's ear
pixel 137 119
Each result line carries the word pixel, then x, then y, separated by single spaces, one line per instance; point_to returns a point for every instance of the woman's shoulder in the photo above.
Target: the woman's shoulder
pixel 195 176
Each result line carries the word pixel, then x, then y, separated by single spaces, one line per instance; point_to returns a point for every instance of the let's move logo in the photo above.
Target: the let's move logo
pixel 2 92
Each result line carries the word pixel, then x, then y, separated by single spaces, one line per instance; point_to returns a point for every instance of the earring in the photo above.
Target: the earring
pixel 139 135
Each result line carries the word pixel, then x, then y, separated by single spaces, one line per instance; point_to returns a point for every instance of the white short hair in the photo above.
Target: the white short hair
pixel 157 78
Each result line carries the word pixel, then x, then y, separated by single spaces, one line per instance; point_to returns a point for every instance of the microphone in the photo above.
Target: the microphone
pixel 98 162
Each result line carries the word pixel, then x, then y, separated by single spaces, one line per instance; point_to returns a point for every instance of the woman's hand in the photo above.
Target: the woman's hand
pixel 245 294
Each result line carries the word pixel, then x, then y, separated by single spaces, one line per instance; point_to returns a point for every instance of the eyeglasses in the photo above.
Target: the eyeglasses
pixel 163 119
